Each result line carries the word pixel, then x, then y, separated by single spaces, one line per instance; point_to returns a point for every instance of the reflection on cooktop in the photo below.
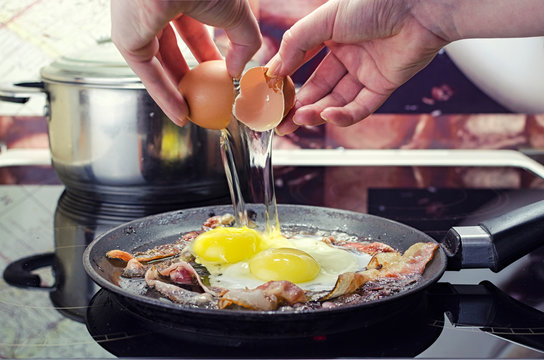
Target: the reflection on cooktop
pixel 125 333
pixel 452 318
pixel 435 210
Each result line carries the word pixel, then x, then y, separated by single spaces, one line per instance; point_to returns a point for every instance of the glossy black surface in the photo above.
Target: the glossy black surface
pixel 467 314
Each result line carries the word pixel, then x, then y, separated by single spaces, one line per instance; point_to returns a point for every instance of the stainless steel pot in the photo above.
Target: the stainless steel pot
pixel 108 138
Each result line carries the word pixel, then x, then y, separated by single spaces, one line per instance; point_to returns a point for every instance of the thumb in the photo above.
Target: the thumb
pixel 303 40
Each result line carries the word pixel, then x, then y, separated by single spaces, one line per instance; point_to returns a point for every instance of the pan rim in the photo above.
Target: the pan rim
pixel 293 315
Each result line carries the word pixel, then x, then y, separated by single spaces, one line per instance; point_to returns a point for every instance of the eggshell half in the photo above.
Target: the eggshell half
pixel 288 94
pixel 263 101
pixel 209 91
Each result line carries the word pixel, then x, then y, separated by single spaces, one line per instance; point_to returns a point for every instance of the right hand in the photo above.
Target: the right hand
pixel 375 46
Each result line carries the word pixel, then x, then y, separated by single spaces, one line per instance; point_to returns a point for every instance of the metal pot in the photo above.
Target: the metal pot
pixel 110 140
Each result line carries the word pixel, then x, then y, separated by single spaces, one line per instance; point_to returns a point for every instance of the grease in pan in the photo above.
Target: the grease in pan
pixel 220 266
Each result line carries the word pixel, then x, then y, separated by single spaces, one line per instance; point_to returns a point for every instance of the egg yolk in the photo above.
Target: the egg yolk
pixel 284 264
pixel 227 245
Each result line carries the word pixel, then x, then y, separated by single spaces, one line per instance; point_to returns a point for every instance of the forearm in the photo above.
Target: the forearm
pixel 461 19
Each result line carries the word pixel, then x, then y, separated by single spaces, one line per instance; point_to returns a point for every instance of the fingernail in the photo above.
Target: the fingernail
pixel 285 128
pixel 322 115
pixel 273 66
pixel 178 122
pixel 295 121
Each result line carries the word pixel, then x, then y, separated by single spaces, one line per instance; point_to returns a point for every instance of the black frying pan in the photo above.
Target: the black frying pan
pixel 515 234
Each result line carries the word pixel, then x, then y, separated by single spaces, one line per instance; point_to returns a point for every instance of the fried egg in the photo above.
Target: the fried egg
pixel 240 257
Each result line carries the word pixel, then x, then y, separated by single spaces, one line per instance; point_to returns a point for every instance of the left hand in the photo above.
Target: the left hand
pixel 141 31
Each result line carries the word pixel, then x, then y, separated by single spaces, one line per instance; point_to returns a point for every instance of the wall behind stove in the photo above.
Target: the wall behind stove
pixel 33 33
pixel 439 108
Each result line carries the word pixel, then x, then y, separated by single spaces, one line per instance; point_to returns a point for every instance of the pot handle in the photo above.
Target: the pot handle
pixel 497 242
pixel 19 272
pixel 20 92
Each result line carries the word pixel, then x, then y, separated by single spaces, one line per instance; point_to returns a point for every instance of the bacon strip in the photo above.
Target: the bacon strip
pixel 119 254
pixel 159 252
pixel 418 257
pixel 218 220
pixel 385 265
pixel 370 248
pixel 188 237
pixel 134 268
pixel 183 273
pixel 156 253
pixel 179 273
pixel 268 296
pixel 348 282
pixel 413 261
pixel 176 293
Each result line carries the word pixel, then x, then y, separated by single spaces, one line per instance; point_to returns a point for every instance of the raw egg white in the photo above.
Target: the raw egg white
pixel 240 258
pixel 208 90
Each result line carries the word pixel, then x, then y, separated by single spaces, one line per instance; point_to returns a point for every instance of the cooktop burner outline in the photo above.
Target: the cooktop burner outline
pixel 37 236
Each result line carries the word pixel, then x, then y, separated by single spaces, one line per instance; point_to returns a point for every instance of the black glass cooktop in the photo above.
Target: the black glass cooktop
pixel 51 309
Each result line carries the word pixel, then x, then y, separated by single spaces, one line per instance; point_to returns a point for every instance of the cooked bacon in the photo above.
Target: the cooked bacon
pixel 183 273
pixel 285 290
pixel 159 252
pixel 188 237
pixel 252 299
pixel 385 265
pixel 387 260
pixel 179 273
pixel 134 268
pixel 136 264
pixel 413 261
pixel 268 296
pixel 418 256
pixel 348 283
pixel 119 254
pixel 176 293
pixel 156 253
pixel 218 220
pixel 370 248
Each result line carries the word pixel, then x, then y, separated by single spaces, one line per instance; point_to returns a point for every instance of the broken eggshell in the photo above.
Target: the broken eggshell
pixel 263 101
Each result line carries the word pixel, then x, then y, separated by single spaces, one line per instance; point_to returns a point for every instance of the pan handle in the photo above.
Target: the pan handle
pixel 19 273
pixel 497 242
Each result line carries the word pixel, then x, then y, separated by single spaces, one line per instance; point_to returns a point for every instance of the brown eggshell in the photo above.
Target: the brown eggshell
pixel 263 101
pixel 209 91
pixel 288 94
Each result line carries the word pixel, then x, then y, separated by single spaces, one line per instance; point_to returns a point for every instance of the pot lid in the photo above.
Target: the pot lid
pixel 98 65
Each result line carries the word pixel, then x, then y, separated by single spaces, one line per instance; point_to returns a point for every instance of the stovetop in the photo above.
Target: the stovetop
pixel 472 313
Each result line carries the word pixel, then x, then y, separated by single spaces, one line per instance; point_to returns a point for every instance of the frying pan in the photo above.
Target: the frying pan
pixel 508 237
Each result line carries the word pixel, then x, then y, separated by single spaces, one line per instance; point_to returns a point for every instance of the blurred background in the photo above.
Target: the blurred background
pixel 475 94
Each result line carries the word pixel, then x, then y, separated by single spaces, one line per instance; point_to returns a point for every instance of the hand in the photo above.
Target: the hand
pixel 374 47
pixel 141 31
